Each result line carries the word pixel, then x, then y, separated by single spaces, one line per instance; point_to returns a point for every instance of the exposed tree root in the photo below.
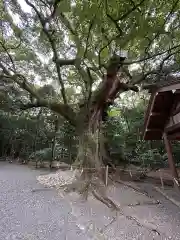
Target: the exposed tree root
pixel 144 203
pixel 107 201
pixel 111 222
pixel 128 184
pixel 42 189
pixel 98 191
pixel 90 157
pixel 148 226
pixel 177 203
pixel 90 186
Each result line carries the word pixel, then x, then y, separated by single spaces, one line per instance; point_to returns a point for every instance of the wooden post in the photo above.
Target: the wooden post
pixel 162 183
pixel 106 175
pixel 170 159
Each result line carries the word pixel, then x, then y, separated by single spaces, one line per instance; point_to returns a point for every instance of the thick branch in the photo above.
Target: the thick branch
pixel 127 87
pixel 71 29
pixel 111 85
pixel 60 108
pixel 63 109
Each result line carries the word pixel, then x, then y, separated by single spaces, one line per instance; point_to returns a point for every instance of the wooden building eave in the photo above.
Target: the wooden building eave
pixel 157 114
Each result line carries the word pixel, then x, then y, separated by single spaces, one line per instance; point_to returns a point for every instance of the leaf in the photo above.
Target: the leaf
pixel 105 53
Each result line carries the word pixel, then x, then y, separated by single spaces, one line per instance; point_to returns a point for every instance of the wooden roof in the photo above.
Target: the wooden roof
pixel 159 108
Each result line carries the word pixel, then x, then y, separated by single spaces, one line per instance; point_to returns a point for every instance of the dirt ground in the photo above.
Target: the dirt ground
pixel 49 214
pixel 141 216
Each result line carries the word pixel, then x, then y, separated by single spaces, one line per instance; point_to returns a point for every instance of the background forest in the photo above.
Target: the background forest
pixel 37 135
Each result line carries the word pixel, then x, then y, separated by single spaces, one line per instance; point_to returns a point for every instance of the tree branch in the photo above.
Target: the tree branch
pixel 55 7
pixel 115 21
pixel 130 11
pixel 152 56
pixel 126 87
pixel 163 25
pixel 87 40
pixel 159 71
pixel 70 28
pixel 111 18
pixel 108 43
pixel 10 57
pixel 65 62
pixel 134 5
pixel 5 71
pixel 143 76
pixel 60 108
pixel 30 105
pixel 63 109
pixel 53 46
pixel 67 24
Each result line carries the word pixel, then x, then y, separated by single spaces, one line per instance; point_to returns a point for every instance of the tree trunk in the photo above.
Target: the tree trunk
pixel 89 127
pixel 92 143
pixel 91 153
pixel 36 133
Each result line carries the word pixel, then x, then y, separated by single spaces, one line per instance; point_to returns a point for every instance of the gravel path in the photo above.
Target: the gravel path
pixel 27 215
pixel 45 215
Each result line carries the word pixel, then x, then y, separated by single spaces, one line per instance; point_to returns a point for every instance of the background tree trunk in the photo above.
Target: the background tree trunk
pixel 36 134
pixel 56 126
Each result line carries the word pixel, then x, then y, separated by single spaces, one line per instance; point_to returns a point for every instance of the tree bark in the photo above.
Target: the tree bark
pixel 56 125
pixel 36 133
pixel 92 145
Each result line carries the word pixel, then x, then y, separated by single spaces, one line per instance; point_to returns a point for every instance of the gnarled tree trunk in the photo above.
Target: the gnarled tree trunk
pixel 92 152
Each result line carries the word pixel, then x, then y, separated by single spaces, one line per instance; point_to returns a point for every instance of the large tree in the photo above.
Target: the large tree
pixel 71 57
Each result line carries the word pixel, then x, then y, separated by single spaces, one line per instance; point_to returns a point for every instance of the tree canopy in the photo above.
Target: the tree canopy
pixel 61 49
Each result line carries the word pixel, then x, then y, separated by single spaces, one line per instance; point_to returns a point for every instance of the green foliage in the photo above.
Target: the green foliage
pixel 30 137
pixel 90 32
pixel 44 154
pixel 152 158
